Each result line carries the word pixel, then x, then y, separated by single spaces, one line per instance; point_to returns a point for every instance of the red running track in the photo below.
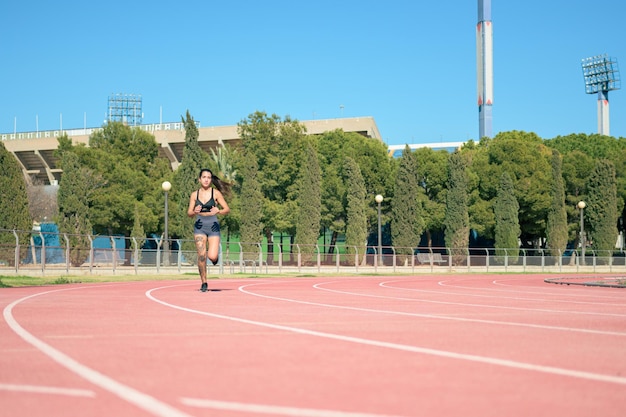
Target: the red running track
pixel 468 345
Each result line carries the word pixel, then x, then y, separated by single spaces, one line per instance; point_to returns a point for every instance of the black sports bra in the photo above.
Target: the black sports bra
pixel 206 207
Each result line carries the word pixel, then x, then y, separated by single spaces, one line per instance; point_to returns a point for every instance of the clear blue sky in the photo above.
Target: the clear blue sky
pixel 409 64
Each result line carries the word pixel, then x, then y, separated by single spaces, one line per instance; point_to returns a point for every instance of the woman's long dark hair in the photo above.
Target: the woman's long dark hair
pixel 223 186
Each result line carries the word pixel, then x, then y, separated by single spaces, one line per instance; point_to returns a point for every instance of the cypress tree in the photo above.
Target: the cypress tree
pixel 556 230
pixel 251 207
pixel 407 223
pixel 507 229
pixel 185 182
pixel 309 203
pixel 457 218
pixel 14 213
pixel 356 221
pixel 601 212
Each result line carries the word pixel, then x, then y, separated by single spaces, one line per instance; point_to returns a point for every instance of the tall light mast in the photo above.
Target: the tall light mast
pixel 601 76
pixel 484 63
pixel 125 108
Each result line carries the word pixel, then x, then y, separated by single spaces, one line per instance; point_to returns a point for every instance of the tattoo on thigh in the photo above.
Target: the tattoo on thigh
pixel 202 258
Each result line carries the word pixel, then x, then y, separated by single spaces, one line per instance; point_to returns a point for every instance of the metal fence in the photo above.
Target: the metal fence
pixel 45 253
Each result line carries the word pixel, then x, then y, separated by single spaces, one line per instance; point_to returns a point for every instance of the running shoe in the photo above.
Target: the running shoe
pixel 204 287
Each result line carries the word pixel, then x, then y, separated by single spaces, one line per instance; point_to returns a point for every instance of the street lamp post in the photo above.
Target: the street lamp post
pixel 583 243
pixel 166 186
pixel 379 199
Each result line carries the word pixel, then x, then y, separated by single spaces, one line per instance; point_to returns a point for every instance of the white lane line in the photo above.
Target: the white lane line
pixel 453 318
pixel 497 296
pixel 133 396
pixel 396 346
pixel 272 409
pixel 40 389
pixel 522 290
pixel 542 310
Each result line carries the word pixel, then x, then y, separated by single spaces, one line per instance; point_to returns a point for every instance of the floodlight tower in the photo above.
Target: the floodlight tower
pixel 601 76
pixel 125 108
pixel 484 63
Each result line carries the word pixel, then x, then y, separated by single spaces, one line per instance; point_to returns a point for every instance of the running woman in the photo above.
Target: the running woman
pixel 205 204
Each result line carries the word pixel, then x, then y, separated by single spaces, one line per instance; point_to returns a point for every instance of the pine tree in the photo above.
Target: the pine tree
pixel 556 230
pixel 601 211
pixel 356 221
pixel 14 213
pixel 507 229
pixel 309 204
pixel 457 217
pixel 407 223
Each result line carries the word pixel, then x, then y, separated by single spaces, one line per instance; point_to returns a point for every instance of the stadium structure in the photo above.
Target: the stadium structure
pixel 34 151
